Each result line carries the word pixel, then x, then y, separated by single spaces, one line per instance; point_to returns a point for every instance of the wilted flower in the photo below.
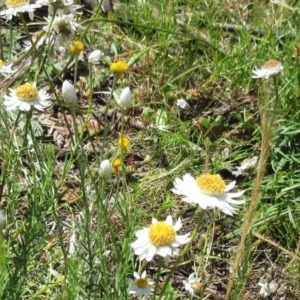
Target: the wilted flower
pixel 77 47
pixel 270 68
pixel 25 96
pixel 267 288
pixel 5 70
pixel 140 287
pixel 38 38
pixel 181 103
pixel 209 191
pixel 119 68
pixel 94 57
pixel 159 238
pixel 19 6
pixel 64 27
pixel 105 169
pixel 192 285
pixel 125 99
pixel 69 93
pixel 247 166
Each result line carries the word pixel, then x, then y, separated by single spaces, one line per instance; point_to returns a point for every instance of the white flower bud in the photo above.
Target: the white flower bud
pixel 69 93
pixel 94 57
pixel 105 169
pixel 125 99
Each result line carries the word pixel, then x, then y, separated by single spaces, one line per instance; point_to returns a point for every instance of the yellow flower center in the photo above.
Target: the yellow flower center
pixel 211 184
pixel 271 64
pixel 27 92
pixel 123 142
pixel 196 286
pixel 77 47
pixel 1 63
pixel 15 3
pixel 142 283
pixel 119 68
pixel 161 234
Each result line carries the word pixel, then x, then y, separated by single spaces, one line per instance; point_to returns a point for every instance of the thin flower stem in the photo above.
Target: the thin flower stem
pixel 160 263
pixel 106 122
pixel 76 70
pixel 267 114
pixel 182 253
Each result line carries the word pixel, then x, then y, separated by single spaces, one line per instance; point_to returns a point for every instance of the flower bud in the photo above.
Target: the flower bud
pixel 125 99
pixel 94 57
pixel 105 169
pixel 69 93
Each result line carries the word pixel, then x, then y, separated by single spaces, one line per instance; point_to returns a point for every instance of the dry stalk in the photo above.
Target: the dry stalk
pixel 267 113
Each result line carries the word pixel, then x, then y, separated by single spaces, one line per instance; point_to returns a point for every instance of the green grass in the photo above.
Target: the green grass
pixel 50 183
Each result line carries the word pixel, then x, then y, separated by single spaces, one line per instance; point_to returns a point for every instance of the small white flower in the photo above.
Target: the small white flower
pixel 69 93
pixel 209 191
pixel 5 70
pixel 125 99
pixel 140 287
pixel 181 103
pixel 105 169
pixel 19 6
pixel 192 285
pixel 94 57
pixel 2 221
pixel 267 288
pixel 25 96
pixel 159 238
pixel 246 167
pixel 64 28
pixel 270 68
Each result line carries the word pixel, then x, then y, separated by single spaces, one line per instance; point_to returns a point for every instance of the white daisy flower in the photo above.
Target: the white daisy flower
pixel 192 285
pixel 159 238
pixel 140 287
pixel 19 6
pixel 270 68
pixel 25 96
pixel 247 166
pixel 209 191
pixel 125 99
pixel 61 7
pixel 5 70
pixel 181 103
pixel 64 28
